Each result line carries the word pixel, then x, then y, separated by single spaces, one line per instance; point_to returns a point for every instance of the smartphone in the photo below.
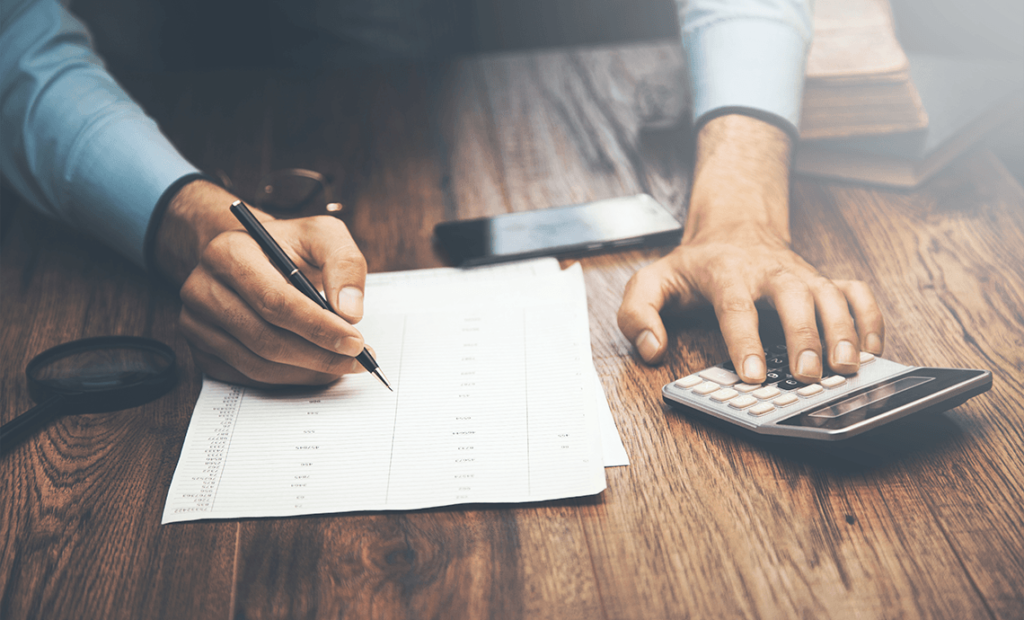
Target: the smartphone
pixel 575 230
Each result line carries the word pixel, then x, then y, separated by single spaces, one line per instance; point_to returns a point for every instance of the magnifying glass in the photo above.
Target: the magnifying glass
pixel 92 375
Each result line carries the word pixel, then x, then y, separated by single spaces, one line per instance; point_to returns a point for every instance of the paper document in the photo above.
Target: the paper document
pixel 496 400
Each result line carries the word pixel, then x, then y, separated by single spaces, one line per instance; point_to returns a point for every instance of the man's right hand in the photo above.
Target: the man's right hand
pixel 244 321
pixel 736 251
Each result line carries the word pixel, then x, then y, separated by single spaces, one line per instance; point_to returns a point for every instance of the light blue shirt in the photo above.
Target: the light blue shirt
pixel 747 53
pixel 72 142
pixel 79 149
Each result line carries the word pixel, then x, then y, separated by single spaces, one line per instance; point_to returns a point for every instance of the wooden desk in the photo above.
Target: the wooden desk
pixel 702 524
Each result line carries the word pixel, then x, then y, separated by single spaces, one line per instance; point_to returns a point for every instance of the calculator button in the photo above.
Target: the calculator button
pixel 810 390
pixel 742 402
pixel 777 362
pixel 762 409
pixel 724 394
pixel 766 392
pixel 745 387
pixel 833 381
pixel 866 358
pixel 789 384
pixel 706 388
pixel 773 376
pixel 785 399
pixel 720 376
pixel 779 348
pixel 689 382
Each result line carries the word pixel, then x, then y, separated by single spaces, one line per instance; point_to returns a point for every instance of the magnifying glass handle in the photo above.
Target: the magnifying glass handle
pixel 12 433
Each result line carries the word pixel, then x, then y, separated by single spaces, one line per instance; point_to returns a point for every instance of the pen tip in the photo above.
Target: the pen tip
pixel 377 372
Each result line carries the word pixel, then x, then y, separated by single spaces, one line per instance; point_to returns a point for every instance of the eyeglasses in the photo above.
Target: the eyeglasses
pixel 288 190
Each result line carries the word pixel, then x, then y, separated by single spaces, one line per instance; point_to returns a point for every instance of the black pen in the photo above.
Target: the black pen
pixel 295 276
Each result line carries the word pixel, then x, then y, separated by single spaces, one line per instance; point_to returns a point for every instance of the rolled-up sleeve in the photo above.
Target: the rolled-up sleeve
pixel 72 142
pixel 747 54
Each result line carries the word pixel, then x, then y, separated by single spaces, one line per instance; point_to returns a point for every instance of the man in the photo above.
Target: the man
pixel 77 147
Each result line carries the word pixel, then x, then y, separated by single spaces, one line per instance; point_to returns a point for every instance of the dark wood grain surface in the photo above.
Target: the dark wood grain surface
pixel 923 522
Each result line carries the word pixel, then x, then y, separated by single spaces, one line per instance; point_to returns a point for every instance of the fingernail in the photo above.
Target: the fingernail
pixel 753 369
pixel 808 364
pixel 350 346
pixel 873 344
pixel 350 302
pixel 647 345
pixel 846 353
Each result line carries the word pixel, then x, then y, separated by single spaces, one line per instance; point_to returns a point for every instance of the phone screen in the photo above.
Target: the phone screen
pixel 575 230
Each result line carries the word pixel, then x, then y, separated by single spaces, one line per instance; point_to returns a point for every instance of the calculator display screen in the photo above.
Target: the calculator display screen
pixel 867 403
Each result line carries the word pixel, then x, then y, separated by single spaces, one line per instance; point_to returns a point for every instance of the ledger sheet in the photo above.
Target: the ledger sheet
pixel 495 401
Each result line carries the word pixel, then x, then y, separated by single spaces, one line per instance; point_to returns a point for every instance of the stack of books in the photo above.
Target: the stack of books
pixel 874 114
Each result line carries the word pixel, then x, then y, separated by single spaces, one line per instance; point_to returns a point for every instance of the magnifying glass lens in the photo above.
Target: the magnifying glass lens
pixel 90 376
pixel 99 369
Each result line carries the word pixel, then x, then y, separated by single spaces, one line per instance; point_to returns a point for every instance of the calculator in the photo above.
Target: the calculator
pixel 835 408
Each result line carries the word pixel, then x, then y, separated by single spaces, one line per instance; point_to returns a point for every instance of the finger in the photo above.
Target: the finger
pixel 639 314
pixel 358 367
pixel 795 305
pixel 327 245
pixel 868 317
pixel 218 314
pixel 216 368
pixel 841 339
pixel 237 262
pixel 738 319
pixel 215 344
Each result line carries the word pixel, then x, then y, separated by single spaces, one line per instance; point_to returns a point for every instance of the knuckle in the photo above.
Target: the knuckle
pixel 317 332
pixel 859 287
pixel 631 285
pixel 189 292
pixel 350 255
pixel 319 378
pixel 779 272
pixel 734 305
pixel 266 344
pixel 875 320
pixel 258 370
pixel 187 325
pixel 822 285
pixel 646 277
pixel 327 222
pixel 219 248
pixel 272 305
pixel 805 334
pixel 626 318
pixel 334 364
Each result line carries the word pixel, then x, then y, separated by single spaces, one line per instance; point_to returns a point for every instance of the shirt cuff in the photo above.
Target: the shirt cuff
pixel 126 166
pixel 747 63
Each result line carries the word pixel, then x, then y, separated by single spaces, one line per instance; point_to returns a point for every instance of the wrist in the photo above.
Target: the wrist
pixel 741 178
pixel 195 215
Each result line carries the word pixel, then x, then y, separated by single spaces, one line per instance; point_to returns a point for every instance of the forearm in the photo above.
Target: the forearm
pixel 741 179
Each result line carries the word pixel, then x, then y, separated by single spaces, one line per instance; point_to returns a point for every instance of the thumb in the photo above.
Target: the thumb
pixel 639 316
pixel 329 247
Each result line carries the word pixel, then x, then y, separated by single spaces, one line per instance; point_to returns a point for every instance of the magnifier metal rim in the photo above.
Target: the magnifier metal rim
pixel 109 398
